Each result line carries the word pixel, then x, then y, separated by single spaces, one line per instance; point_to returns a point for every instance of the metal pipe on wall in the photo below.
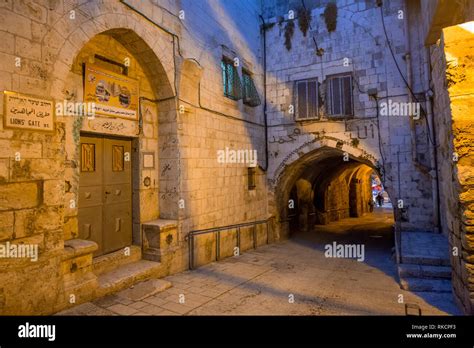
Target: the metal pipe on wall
pixel 433 151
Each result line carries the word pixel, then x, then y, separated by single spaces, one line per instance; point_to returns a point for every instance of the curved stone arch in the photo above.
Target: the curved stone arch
pixel 110 20
pixel 294 164
pixel 152 48
pixel 309 148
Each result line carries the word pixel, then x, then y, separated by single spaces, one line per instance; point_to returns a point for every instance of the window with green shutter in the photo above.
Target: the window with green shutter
pixel 231 84
pixel 250 97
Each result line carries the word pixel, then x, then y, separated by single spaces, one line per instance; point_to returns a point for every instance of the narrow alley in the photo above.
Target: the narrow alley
pixel 289 278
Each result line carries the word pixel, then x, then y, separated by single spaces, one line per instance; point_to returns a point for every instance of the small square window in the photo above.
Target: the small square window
pixel 252 178
pixel 250 97
pixel 339 96
pixel 231 83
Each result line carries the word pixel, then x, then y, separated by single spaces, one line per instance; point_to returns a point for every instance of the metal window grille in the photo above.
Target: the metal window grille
pixel 230 80
pixel 307 99
pixel 340 98
pixel 251 97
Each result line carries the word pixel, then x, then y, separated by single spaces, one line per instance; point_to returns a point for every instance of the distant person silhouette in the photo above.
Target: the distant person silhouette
pixel 379 199
pixel 371 205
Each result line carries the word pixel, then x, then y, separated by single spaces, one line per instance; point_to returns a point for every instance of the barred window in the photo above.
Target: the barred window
pixel 339 96
pixel 307 99
pixel 230 80
pixel 251 97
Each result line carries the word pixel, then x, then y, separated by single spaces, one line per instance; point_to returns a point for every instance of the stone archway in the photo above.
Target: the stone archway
pixel 152 49
pixel 299 163
pixel 154 45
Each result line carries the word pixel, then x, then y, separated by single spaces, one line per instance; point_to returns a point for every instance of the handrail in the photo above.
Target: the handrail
pixel 217 230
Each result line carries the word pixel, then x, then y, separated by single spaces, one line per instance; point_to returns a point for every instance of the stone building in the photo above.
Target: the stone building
pixel 219 113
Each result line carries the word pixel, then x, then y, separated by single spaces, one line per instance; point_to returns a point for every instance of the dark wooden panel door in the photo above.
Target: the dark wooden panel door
pixel 105 209
pixel 117 194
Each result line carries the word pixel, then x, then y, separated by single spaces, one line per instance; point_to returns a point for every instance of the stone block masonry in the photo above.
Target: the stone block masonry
pixel 323 94
pixel 453 104
pixel 43 52
pixel 357 48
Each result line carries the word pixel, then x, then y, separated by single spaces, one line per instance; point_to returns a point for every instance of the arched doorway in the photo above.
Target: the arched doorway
pixel 326 199
pixel 118 190
pixel 320 172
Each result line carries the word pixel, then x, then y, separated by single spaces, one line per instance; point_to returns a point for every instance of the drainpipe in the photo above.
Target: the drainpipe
pixel 433 146
pixel 410 100
pixel 407 58
pixel 265 90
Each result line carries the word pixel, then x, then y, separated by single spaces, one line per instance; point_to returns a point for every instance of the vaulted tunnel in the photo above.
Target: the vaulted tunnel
pixel 331 190
pixel 328 187
pixel 331 205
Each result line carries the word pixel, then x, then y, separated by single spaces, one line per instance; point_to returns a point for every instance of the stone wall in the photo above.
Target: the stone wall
pixel 217 194
pixel 357 46
pixel 32 171
pixel 453 83
pixel 177 62
pixel 175 50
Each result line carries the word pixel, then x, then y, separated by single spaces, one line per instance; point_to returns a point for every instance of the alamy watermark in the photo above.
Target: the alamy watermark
pixel 394 108
pixel 28 251
pixel 244 156
pixel 67 108
pixel 346 251
pixel 37 331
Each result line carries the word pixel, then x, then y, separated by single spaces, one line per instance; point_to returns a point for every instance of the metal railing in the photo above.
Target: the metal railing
pixel 217 231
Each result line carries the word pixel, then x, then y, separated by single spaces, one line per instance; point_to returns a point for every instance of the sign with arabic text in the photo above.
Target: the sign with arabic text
pixel 27 112
pixel 114 94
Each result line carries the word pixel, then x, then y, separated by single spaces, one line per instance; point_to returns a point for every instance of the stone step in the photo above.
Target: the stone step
pixel 424 271
pixel 425 285
pixel 109 262
pixel 127 275
pixel 424 248
pixel 425 260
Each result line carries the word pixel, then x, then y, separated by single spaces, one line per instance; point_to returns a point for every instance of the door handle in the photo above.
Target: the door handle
pixel 88 229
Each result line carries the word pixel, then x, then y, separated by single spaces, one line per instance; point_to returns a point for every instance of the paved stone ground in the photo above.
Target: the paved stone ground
pixel 263 281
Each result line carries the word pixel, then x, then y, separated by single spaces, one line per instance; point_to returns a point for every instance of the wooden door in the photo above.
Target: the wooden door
pixel 105 204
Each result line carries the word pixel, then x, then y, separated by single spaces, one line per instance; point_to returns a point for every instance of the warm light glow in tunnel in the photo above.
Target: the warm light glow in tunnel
pixel 325 188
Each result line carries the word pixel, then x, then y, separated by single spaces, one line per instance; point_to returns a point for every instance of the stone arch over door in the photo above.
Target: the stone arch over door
pixel 153 50
pixel 152 47
pixel 300 161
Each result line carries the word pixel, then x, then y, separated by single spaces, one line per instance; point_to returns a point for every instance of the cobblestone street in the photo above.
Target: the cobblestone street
pixel 264 281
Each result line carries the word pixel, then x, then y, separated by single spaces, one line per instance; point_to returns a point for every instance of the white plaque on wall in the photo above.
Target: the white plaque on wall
pixel 28 112
pixel 148 160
